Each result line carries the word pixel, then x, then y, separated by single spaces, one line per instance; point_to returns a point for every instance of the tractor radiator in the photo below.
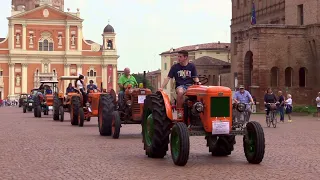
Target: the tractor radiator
pixel 220 107
pixel 135 105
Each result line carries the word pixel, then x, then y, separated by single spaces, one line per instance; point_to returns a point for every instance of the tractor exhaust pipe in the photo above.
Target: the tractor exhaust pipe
pixel 144 80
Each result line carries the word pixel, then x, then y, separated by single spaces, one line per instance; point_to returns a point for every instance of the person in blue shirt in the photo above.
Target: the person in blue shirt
pixel 48 90
pixel 91 86
pixel 243 96
pixel 69 89
pixel 185 75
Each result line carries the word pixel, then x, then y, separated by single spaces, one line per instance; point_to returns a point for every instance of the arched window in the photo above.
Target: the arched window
pixel 303 77
pixel 91 73
pixel 288 76
pixel 45 42
pixel 274 76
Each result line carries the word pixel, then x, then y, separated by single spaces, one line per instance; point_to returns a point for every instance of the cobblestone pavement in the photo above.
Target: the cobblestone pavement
pixel 43 149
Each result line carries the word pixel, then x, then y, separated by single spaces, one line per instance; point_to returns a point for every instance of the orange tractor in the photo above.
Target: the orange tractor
pixel 207 111
pixel 43 97
pixel 73 103
pixel 126 110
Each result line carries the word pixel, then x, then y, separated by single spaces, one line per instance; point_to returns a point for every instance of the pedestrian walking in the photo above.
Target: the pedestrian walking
pixel 281 106
pixel 289 106
pixel 318 105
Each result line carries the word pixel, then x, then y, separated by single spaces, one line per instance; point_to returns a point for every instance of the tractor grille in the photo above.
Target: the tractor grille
pixel 135 105
pixel 220 107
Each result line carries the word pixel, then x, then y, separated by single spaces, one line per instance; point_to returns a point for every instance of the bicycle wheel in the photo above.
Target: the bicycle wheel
pixel 268 121
pixel 274 119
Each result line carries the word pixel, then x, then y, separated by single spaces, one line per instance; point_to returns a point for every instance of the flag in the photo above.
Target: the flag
pixel 253 14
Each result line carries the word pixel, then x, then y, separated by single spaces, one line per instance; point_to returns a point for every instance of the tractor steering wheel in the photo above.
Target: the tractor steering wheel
pixel 203 80
pixel 126 83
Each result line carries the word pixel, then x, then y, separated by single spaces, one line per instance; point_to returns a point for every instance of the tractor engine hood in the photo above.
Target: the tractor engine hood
pixel 196 90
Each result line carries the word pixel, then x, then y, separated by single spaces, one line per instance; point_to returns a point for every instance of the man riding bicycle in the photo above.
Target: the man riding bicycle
pixel 244 96
pixel 124 80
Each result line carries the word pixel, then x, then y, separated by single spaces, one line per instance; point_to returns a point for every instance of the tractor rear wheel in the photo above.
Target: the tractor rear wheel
pixel 56 109
pixel 155 126
pixel 106 109
pixel 180 144
pixel 116 125
pixel 75 106
pixel 61 113
pixel 254 142
pixel 24 109
pixel 36 104
pixel 221 145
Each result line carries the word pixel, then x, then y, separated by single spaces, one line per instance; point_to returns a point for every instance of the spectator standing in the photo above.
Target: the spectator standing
pixel 318 105
pixel 289 106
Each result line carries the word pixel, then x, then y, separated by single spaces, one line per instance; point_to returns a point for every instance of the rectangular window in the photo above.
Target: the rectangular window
pixel 95 74
pixel 40 46
pixel 165 66
pixel 1 73
pixel 238 4
pixel 300 14
pixel 50 46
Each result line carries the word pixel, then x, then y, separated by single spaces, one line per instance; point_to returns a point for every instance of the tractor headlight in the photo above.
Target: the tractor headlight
pixel 129 102
pixel 241 107
pixel 198 106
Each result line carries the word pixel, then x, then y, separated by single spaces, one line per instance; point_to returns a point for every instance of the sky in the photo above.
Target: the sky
pixel 146 28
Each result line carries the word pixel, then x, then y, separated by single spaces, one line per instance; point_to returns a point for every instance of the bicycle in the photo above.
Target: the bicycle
pixel 272 117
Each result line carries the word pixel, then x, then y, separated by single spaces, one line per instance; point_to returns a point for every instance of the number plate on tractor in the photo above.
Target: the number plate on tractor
pixel 141 99
pixel 50 107
pixel 220 127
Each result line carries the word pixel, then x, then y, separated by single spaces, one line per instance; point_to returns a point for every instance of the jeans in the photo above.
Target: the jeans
pixel 120 99
pixel 281 111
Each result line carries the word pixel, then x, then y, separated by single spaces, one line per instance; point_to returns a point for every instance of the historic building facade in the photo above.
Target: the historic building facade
pixel 44 43
pixel 211 59
pixel 280 51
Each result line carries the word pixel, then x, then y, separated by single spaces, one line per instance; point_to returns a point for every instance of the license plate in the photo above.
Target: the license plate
pixel 220 127
pixel 143 92
pixel 141 99
pixel 50 107
pixel 30 104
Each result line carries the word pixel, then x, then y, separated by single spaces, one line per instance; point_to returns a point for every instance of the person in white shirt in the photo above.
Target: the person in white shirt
pixel 79 84
pixel 318 105
pixel 289 107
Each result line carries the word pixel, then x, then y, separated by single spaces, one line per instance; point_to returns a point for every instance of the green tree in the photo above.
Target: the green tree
pixel 139 78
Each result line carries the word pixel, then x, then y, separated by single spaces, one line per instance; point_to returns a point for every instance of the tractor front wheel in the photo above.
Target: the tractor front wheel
pixel 106 109
pixel 75 106
pixel 81 117
pixel 180 144
pixel 254 142
pixel 56 108
pixel 61 112
pixel 155 126
pixel 116 125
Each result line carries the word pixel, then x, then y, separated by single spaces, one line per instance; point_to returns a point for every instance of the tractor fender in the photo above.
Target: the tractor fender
pixel 167 104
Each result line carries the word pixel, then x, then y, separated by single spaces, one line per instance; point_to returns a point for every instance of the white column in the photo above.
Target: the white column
pixel 66 73
pixel 24 36
pixel 67 37
pixel 79 69
pixel 24 78
pixel 79 38
pixel 114 78
pixel 11 36
pixel 104 75
pixel 11 79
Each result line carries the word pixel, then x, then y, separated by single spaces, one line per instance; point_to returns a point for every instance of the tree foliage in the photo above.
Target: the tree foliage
pixel 139 78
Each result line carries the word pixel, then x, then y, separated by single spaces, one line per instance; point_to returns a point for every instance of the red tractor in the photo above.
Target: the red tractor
pixel 128 111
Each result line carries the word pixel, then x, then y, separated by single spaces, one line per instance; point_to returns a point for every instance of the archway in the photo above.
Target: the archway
pixel 247 69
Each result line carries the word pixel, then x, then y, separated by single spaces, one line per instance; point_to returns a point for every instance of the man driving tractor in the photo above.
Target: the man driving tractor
pixel 124 80
pixel 185 74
